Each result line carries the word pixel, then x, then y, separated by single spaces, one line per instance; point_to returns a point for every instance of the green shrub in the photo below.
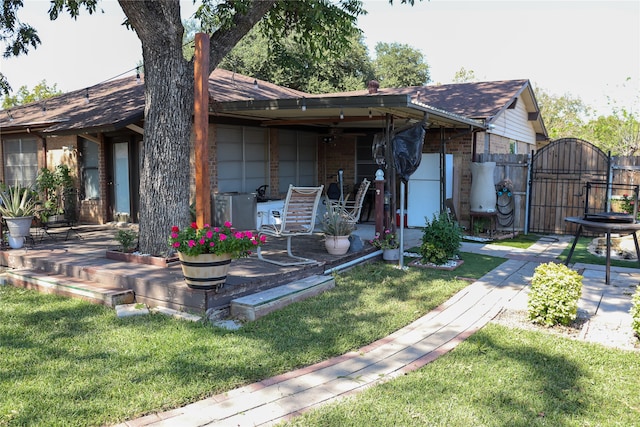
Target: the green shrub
pixel 635 312
pixel 441 239
pixel 555 291
pixel 127 239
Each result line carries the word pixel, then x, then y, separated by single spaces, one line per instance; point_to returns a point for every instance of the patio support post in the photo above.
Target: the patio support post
pixel 379 208
pixel 201 129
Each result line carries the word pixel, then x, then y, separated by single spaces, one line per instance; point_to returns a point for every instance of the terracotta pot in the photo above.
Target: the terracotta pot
pixel 337 245
pixel 205 271
pixel 391 254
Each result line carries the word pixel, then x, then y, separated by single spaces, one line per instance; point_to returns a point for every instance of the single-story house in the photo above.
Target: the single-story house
pixel 264 134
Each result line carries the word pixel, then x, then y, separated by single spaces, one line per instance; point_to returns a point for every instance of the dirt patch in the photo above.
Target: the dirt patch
pixel 520 319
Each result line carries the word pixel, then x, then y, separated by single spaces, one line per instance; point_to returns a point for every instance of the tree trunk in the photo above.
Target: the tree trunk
pixel 168 79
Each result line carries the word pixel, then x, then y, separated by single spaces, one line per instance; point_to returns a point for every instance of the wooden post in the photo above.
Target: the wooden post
pixel 201 129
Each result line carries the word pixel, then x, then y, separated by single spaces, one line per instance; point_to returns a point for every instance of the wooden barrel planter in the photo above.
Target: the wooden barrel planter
pixel 205 271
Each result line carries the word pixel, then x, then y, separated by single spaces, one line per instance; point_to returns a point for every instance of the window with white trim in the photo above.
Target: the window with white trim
pixel 20 161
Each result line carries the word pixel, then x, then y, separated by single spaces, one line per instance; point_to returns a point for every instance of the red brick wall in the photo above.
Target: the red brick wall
pixel 337 154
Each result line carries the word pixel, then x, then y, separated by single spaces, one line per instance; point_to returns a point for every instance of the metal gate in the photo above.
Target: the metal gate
pixel 560 172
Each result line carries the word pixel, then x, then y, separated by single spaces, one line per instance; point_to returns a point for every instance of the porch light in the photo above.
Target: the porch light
pixel 86 96
pixel 138 80
pixel 370 113
pixel 341 114
pixel 304 104
pixel 9 115
pixel 255 84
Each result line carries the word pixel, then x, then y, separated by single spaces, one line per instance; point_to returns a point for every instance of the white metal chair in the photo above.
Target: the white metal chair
pixel 351 210
pixel 298 219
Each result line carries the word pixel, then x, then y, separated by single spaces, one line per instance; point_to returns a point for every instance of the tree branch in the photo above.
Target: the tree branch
pixel 223 40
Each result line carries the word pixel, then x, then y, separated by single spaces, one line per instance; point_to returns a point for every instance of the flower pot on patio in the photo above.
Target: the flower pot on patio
pixel 18 230
pixel 337 245
pixel 391 254
pixel 205 271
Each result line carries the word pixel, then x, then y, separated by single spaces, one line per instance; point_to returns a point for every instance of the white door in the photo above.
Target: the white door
pixel 121 178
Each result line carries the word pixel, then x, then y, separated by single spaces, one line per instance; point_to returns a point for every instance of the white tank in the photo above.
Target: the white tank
pixel 483 190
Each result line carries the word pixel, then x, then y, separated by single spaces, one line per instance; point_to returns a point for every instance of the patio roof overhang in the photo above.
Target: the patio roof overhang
pixel 368 111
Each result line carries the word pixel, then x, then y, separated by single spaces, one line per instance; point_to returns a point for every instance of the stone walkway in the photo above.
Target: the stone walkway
pixel 285 396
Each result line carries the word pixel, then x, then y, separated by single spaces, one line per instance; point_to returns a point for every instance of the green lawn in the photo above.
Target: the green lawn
pixel 522 241
pixel 581 254
pixel 502 377
pixel 65 362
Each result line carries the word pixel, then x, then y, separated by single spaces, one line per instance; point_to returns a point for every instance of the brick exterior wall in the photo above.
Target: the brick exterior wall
pixel 337 154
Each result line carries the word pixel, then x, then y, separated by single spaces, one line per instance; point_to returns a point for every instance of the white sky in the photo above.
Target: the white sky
pixel 584 48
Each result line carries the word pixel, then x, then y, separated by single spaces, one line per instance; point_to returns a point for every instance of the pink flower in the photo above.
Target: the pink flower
pixel 191 243
pixel 223 237
pixel 238 235
pixel 194 225
pixel 227 224
pixel 211 244
pixel 206 226
pixel 174 235
pixel 255 243
pixel 176 244
pixel 209 234
pixel 249 234
pixel 263 239
pixel 201 241
pixel 175 229
pixel 216 229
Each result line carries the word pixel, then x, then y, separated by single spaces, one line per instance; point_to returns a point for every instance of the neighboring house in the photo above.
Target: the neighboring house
pixel 262 134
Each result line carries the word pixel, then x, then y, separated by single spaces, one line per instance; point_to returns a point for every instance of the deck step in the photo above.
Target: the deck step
pixel 69 286
pixel 254 306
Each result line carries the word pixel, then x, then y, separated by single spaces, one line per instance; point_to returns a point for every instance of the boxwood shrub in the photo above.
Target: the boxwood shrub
pixel 635 312
pixel 554 295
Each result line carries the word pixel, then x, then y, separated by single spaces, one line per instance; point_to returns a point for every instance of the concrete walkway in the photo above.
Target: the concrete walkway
pixel 280 398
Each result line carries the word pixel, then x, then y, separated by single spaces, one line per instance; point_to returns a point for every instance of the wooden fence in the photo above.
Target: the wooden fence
pixel 515 212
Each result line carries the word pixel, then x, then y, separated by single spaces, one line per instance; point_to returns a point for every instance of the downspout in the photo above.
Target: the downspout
pixel 353 262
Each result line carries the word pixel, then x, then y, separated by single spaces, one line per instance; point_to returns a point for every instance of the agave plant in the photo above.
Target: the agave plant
pixel 17 202
pixel 335 222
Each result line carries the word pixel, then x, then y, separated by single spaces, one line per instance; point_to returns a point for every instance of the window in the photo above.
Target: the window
pixel 297 164
pixel 90 175
pixel 365 164
pixel 242 158
pixel 20 161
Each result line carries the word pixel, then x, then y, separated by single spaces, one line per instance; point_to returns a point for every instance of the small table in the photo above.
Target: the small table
pixel 606 227
pixel 493 216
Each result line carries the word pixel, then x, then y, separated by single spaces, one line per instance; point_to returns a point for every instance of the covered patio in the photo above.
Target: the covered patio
pixel 79 268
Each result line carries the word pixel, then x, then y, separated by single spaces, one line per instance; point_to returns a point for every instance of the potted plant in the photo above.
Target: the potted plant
pixel 53 186
pixel 17 208
pixel 205 253
pixel 389 243
pixel 337 228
